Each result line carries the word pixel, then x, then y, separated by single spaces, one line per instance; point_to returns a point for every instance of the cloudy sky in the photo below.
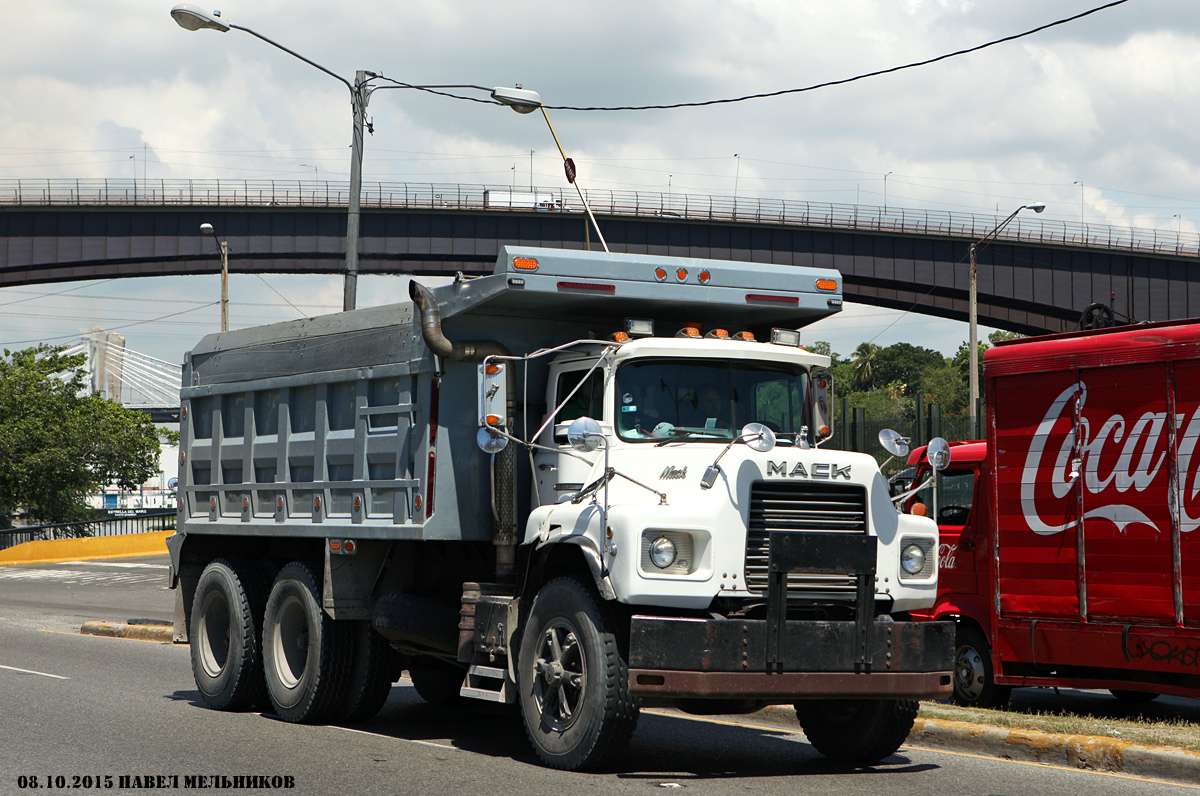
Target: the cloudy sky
pixel 1099 118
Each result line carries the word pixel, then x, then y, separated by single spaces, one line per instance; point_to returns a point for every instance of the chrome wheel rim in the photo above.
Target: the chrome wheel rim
pixel 969 673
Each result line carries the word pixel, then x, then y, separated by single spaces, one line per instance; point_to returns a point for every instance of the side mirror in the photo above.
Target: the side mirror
pixel 758 437
pixel 584 434
pixel 893 443
pixel 822 412
pixel 938 453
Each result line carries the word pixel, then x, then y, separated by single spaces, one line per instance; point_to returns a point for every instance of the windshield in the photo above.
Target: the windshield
pixel 708 399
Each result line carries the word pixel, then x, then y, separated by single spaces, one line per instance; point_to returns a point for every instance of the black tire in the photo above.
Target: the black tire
pixel 974 679
pixel 225 635
pixel 369 681
pixel 436 682
pixel 856 730
pixel 573 679
pixel 306 655
pixel 1134 697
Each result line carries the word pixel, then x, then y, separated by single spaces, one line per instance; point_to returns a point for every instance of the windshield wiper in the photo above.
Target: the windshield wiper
pixel 678 434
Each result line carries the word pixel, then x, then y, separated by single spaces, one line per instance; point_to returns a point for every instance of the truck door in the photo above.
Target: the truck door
pixel 957 523
pixel 560 475
pixel 1125 493
pixel 1187 489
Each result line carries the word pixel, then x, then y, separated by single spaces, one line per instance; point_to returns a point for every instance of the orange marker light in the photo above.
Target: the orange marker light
pixel 704 277
pixel 493 420
pixel 660 274
pixel 720 334
pixel 492 370
pixel 525 263
pixel 826 284
pixel 689 330
pixel 335 546
pixel 747 336
pixel 619 337
pixel 681 275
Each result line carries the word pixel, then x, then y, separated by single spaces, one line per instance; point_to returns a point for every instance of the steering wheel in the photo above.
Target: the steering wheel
pixel 953 515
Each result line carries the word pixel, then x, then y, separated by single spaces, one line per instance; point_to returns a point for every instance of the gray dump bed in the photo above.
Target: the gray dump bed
pixel 347 424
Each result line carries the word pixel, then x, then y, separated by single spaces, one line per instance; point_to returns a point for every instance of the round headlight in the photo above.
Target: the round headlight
pixel 912 559
pixel 662 552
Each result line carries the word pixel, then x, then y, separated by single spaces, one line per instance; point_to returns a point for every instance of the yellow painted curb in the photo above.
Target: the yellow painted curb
pixel 86 549
pixel 163 633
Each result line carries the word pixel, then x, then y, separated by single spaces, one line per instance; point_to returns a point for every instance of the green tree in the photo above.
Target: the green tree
pixel 863 359
pixel 58 446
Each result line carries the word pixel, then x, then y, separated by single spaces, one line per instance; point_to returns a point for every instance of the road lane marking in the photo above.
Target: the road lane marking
pixel 78 577
pixel 31 671
pixel 395 738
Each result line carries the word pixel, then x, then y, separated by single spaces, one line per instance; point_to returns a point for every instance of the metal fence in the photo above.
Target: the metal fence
pixel 854 431
pixel 1026 227
pixel 105 524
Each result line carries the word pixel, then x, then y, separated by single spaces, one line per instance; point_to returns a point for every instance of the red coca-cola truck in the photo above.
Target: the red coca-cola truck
pixel 1070 538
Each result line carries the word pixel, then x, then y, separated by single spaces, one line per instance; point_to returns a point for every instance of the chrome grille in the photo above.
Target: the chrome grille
pixel 802 506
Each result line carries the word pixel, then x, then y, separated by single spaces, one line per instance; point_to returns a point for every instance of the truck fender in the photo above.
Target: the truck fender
pixel 594 561
pixel 175 548
pixel 956 611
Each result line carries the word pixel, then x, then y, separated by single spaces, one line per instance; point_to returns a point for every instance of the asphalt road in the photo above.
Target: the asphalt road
pixel 86 706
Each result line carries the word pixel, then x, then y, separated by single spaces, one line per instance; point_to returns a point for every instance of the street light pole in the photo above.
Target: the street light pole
pixel 523 100
pixel 223 248
pixel 191 17
pixel 972 317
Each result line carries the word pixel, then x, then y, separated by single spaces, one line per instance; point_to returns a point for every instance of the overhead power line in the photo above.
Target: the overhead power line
pixel 843 81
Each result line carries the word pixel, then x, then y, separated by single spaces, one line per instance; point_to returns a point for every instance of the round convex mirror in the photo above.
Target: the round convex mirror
pixel 584 434
pixel 938 453
pixel 489 441
pixel 892 442
pixel 758 437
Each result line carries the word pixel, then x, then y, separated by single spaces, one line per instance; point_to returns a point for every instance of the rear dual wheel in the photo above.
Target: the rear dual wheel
pixel 306 655
pixel 224 634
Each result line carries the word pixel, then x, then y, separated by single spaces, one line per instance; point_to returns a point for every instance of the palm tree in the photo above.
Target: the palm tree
pixel 864 359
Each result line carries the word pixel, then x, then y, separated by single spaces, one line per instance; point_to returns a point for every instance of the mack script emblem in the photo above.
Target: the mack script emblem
pixel 672 473
pixel 824 470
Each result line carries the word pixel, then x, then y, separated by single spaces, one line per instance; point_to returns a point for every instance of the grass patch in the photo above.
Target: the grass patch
pixel 1147 725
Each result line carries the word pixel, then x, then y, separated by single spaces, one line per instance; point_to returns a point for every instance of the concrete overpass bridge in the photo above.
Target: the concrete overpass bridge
pixel 1038 276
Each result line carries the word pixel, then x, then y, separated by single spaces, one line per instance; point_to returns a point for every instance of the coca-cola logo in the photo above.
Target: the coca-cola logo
pixel 946 556
pixel 1073 454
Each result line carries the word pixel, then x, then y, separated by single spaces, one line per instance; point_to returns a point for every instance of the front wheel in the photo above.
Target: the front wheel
pixel 856 730
pixel 573 680
pixel 974 679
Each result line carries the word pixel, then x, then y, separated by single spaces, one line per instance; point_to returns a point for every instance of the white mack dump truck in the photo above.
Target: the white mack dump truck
pixel 551 486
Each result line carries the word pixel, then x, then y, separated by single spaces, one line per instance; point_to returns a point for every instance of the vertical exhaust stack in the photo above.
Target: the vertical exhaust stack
pixel 504 476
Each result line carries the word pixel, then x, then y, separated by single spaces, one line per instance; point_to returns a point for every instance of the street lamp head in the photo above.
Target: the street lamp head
pixel 191 17
pixel 1036 207
pixel 521 100
pixel 206 228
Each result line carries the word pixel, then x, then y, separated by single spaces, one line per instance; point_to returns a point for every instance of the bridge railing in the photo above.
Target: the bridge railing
pixel 692 207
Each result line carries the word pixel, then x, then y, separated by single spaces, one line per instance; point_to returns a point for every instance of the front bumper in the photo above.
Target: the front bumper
pixel 724 658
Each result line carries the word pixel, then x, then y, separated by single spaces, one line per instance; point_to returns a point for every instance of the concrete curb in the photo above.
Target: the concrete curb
pixel 1088 752
pixel 87 549
pixel 160 633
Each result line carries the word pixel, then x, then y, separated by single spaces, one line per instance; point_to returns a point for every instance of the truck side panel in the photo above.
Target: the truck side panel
pixel 1187 405
pixel 1098 508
